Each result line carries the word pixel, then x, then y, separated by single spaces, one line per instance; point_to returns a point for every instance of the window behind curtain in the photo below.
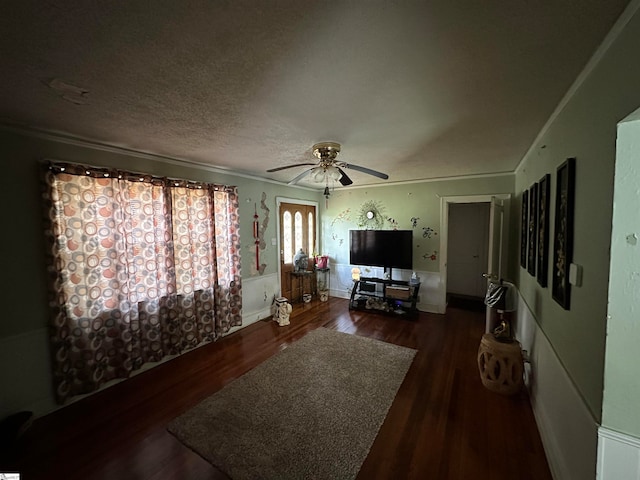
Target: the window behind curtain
pixel 140 267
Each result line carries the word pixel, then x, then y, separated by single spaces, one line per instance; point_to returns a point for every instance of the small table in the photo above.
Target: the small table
pixel 322 283
pixel 301 275
pixel 501 364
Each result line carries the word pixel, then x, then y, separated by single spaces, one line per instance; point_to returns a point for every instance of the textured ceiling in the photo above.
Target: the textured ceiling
pixel 416 89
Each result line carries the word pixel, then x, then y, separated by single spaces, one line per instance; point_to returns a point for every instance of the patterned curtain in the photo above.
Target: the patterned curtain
pixel 140 268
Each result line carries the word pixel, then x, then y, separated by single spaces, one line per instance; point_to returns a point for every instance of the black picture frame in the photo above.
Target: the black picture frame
pixel 524 225
pixel 563 233
pixel 533 229
pixel 544 186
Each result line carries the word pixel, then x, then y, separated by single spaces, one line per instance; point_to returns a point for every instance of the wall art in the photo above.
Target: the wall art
pixel 543 230
pixel 371 215
pixel 563 233
pixel 427 232
pixel 431 256
pixel 343 216
pixel 261 231
pixel 524 228
pixel 533 229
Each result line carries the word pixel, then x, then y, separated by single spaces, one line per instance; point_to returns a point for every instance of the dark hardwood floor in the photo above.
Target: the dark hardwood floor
pixel 443 423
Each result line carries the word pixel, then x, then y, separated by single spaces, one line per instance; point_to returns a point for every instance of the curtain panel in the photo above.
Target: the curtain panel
pixel 139 267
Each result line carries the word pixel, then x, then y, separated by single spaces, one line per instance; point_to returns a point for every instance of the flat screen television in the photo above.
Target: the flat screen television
pixel 381 248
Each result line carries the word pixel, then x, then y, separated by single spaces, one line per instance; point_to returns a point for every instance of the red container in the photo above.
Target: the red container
pixel 322 261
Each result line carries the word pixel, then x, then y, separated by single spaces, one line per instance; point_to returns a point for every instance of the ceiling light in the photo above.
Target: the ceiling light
pixel 318 174
pixel 333 173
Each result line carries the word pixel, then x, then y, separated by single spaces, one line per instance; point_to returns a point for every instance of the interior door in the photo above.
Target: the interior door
pixel 496 267
pixel 467 248
pixel 297 231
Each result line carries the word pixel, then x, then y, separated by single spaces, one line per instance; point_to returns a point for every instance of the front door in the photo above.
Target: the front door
pixel 297 231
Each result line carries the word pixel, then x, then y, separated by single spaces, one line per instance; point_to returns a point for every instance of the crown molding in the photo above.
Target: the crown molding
pixel 591 65
pixel 88 143
pixel 104 147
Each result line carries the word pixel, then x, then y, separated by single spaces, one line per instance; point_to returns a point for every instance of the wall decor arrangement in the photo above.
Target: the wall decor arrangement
pixel 261 229
pixel 533 229
pixel 371 215
pixel 265 221
pixel 524 223
pixel 343 216
pixel 428 232
pixel 563 232
pixel 256 235
pixel 431 256
pixel 543 230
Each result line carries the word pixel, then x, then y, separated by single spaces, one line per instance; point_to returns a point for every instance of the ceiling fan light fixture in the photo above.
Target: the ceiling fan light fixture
pixel 318 174
pixel 326 150
pixel 325 173
pixel 328 170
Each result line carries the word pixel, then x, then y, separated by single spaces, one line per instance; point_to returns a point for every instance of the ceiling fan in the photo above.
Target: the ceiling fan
pixel 328 168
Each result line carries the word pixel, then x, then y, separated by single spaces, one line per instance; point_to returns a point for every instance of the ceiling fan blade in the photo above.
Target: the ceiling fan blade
pixel 344 179
pixel 289 166
pixel 375 173
pixel 301 176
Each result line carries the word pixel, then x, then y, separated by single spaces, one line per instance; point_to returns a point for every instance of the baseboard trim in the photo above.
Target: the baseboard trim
pixel 618 455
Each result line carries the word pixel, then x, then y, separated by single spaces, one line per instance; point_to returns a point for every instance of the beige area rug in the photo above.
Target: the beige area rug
pixel 312 411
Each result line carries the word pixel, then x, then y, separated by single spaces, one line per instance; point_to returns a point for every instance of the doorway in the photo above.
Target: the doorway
pixel 497 242
pixel 468 251
pixel 297 230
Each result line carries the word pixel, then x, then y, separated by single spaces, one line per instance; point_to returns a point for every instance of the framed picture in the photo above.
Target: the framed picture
pixel 524 228
pixel 533 229
pixel 563 233
pixel 543 230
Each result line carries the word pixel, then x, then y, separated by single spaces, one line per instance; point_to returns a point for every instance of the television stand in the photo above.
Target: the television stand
pixel 396 297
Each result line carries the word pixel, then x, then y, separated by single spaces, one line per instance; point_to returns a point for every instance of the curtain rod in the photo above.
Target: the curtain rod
pixel 110 172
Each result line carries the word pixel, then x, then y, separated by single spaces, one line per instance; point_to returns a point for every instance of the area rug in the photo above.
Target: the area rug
pixel 312 411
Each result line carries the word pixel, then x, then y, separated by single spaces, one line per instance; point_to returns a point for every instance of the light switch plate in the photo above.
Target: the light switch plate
pixel 575 274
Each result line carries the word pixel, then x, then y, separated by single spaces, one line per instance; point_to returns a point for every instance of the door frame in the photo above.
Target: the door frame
pixel 279 202
pixel 444 233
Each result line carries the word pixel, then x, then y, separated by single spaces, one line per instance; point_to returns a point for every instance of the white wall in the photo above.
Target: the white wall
pixel 619 437
pixel 566 425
